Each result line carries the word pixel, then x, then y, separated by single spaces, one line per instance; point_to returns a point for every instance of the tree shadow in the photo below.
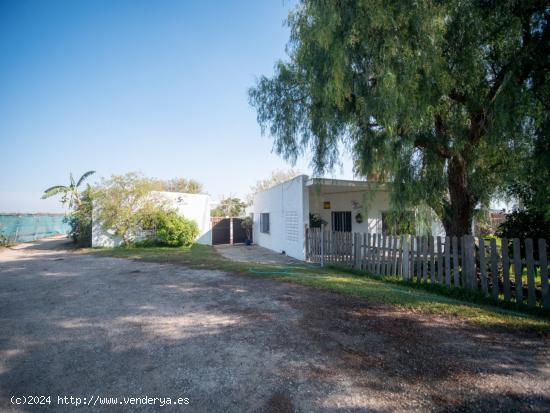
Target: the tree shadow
pixel 82 325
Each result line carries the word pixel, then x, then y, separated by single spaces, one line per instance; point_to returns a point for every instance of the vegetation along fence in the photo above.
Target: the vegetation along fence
pixel 29 227
pixel 508 270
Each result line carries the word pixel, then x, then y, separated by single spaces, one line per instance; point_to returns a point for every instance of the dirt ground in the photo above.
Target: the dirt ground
pixel 74 324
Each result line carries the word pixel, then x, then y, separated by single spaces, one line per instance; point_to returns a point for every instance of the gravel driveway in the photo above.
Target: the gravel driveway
pixel 74 324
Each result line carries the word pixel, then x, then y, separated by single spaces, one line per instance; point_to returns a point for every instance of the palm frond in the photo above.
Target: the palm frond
pixel 84 176
pixel 54 190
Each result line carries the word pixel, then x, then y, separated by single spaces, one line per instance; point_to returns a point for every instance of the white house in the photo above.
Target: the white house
pixel 282 213
pixel 192 206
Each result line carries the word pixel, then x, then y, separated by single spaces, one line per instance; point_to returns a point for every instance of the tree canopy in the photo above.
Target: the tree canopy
pixel 443 99
pixel 189 186
pixel 122 201
pixel 229 207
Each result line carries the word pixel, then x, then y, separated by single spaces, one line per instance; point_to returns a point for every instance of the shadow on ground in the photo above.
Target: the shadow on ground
pixel 80 325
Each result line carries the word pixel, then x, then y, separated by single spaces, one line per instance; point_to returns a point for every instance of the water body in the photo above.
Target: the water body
pixel 29 227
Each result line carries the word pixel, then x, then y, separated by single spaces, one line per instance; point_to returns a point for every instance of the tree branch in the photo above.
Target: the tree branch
pixel 436 145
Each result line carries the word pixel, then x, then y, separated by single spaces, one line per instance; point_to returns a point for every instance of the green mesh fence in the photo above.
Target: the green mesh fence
pixel 29 227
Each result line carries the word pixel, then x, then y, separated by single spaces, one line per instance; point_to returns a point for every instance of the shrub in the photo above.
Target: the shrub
pixel 247 224
pixel 119 200
pixel 3 239
pixel 529 223
pixel 315 221
pixel 80 220
pixel 174 230
pixel 169 228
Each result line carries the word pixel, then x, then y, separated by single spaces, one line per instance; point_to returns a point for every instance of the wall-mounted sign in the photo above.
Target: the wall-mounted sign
pixel 326 205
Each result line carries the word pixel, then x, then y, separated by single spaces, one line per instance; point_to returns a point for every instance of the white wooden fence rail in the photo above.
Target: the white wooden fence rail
pixel 512 272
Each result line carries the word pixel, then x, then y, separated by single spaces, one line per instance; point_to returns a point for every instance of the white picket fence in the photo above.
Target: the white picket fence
pixel 509 272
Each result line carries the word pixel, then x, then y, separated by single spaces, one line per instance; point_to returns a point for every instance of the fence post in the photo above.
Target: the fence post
pixel 377 254
pixel 471 261
pixel 385 242
pixel 518 267
pixel 456 268
pixel 364 251
pixel 368 253
pixel 405 257
pixel 418 264
pixel 531 295
pixel 357 249
pixel 400 254
pixel 393 255
pixel 322 245
pixel 431 246
pixel 494 269
pixel 306 232
pixel 543 262
pixel 448 261
pixel 505 269
pixel 482 266
pixel 425 249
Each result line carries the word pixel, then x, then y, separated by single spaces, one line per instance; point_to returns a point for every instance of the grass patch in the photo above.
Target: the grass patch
pixel 391 292
pixel 460 294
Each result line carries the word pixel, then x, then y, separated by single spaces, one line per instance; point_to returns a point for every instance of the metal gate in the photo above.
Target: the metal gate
pixel 227 231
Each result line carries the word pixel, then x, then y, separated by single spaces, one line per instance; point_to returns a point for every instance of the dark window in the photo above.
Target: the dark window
pixel 264 223
pixel 341 221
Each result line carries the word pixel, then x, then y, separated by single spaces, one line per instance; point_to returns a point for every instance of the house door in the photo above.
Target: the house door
pixel 341 221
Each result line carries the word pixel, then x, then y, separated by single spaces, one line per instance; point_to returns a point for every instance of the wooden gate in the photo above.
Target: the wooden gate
pixel 239 234
pixel 221 230
pixel 227 231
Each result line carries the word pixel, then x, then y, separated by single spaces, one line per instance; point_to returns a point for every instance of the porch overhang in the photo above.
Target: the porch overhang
pixel 334 186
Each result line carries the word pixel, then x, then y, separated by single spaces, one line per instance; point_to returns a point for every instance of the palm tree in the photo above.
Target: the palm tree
pixel 70 192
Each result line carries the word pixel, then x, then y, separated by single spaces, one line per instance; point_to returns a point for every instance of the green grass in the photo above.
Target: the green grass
pixel 392 292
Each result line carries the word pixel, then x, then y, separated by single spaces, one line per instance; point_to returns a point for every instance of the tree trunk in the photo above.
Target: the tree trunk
pixel 458 217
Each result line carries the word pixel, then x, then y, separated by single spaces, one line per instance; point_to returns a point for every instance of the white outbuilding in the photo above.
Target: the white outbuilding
pixel 195 207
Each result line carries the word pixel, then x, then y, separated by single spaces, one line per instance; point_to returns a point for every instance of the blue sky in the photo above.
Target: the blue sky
pixel 152 86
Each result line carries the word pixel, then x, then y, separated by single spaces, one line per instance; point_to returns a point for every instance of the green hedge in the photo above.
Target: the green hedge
pixel 170 228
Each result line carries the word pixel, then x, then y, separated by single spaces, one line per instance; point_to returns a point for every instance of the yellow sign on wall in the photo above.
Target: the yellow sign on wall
pixel 326 205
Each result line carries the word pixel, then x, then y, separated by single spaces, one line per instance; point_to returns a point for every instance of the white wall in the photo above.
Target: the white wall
pixel 192 206
pixel 195 207
pixel 287 206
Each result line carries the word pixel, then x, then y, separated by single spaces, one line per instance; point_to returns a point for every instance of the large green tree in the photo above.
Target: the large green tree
pixel 441 98
pixel 230 206
pixel 123 203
